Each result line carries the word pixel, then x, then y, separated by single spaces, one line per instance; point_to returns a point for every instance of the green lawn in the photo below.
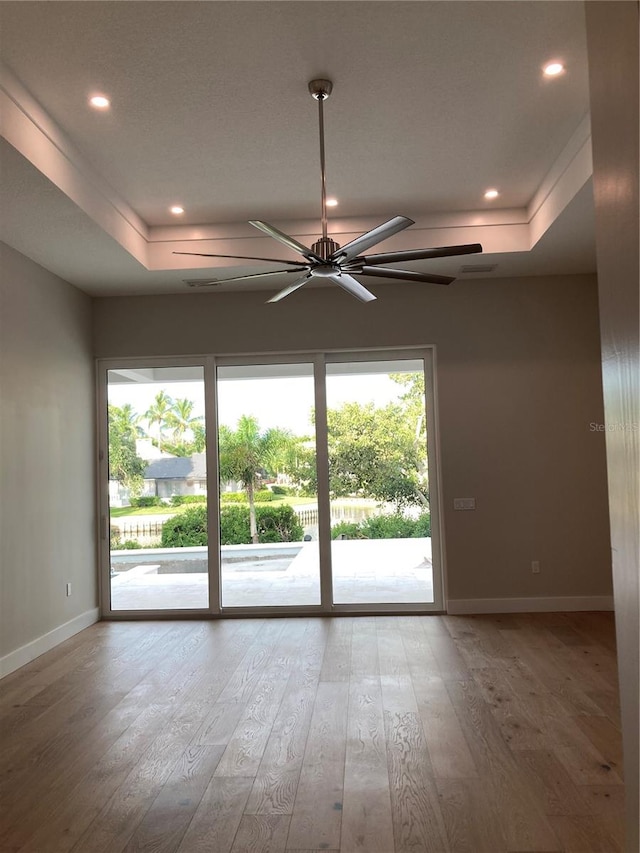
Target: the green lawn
pixel 121 511
pixel 293 501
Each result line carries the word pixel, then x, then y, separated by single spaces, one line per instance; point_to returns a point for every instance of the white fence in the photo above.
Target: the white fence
pixel 148 532
pixel 143 532
pixel 308 515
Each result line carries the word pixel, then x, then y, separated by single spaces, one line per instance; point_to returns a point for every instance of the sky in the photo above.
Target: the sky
pixel 276 402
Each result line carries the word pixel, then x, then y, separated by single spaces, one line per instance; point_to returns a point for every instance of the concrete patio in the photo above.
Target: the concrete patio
pixel 365 571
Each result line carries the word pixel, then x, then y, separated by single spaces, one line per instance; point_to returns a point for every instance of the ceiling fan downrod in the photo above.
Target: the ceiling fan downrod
pixel 320 90
pixel 337 264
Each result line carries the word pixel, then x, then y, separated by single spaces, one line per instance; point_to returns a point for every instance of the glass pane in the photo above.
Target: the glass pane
pixel 380 521
pixel 268 500
pixel 157 489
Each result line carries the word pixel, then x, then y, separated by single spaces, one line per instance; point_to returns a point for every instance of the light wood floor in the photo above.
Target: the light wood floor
pixel 481 734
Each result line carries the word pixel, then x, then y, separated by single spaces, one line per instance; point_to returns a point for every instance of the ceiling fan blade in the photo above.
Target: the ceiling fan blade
pixel 370 238
pixel 284 238
pixel 405 275
pixel 352 286
pixel 212 282
pixel 419 254
pixel 290 288
pixel 243 258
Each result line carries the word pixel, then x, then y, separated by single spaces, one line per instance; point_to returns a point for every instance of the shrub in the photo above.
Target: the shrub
pixel 275 524
pixel 114 539
pixel 423 526
pixel 187 528
pixel 348 529
pixel 281 490
pixel 130 545
pixel 396 526
pixel 179 500
pixel 261 496
pixel 278 524
pixel 390 526
pixel 234 525
pixel 146 500
pixel 233 498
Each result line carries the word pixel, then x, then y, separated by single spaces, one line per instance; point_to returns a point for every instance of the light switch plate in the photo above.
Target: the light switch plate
pixel 464 503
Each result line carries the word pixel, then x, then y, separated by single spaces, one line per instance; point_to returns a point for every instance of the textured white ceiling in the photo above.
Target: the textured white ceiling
pixel 433 103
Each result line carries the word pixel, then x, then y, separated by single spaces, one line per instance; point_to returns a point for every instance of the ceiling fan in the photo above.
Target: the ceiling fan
pixel 339 264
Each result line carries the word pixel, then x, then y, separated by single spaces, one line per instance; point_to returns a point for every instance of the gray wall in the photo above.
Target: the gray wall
pixel 612 33
pixel 47 498
pixel 518 386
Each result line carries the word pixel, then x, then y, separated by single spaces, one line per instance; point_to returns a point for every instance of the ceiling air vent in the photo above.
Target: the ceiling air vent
pixel 478 268
pixel 201 282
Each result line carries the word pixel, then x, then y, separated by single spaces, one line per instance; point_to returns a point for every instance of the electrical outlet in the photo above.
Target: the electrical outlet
pixel 68 590
pixel 464 503
pixel 535 567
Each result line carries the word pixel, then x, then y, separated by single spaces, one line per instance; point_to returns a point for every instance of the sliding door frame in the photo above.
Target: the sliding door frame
pixel 427 355
pixel 210 363
pixel 324 607
pixel 103 366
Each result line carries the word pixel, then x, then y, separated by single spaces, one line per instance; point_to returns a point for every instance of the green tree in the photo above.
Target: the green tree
pixel 246 452
pixel 125 465
pixel 414 402
pixel 158 415
pixel 199 437
pixel 181 419
pixel 414 385
pixel 299 462
pixel 187 431
pixel 376 453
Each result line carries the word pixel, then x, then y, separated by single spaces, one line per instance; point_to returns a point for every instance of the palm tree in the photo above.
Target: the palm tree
pixel 245 452
pixel 199 437
pixel 180 419
pixel 127 419
pixel 158 413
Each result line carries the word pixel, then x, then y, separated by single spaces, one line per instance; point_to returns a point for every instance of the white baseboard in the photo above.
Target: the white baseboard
pixel 25 654
pixel 459 606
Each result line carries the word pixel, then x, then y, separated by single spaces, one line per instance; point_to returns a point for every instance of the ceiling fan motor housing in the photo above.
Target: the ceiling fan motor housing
pixel 325 248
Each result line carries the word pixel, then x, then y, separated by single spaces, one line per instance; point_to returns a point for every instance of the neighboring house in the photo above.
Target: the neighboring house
pixel 168 476
pixel 165 477
pixel 176 475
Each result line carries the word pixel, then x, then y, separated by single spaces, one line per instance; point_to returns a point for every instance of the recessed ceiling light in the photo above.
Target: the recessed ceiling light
pixel 99 102
pixel 491 194
pixel 552 69
pixel 332 202
pixel 177 210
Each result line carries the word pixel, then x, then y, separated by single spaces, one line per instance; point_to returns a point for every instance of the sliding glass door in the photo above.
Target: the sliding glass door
pixel 378 481
pixel 297 483
pixel 157 497
pixel 267 472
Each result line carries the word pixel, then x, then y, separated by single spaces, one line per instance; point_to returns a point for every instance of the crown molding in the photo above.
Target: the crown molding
pixel 570 172
pixel 33 133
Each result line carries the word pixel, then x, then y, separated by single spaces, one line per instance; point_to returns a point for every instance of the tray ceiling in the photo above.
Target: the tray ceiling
pixel 433 103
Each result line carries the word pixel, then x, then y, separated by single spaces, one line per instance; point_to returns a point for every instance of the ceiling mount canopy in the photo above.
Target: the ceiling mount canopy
pixel 326 259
